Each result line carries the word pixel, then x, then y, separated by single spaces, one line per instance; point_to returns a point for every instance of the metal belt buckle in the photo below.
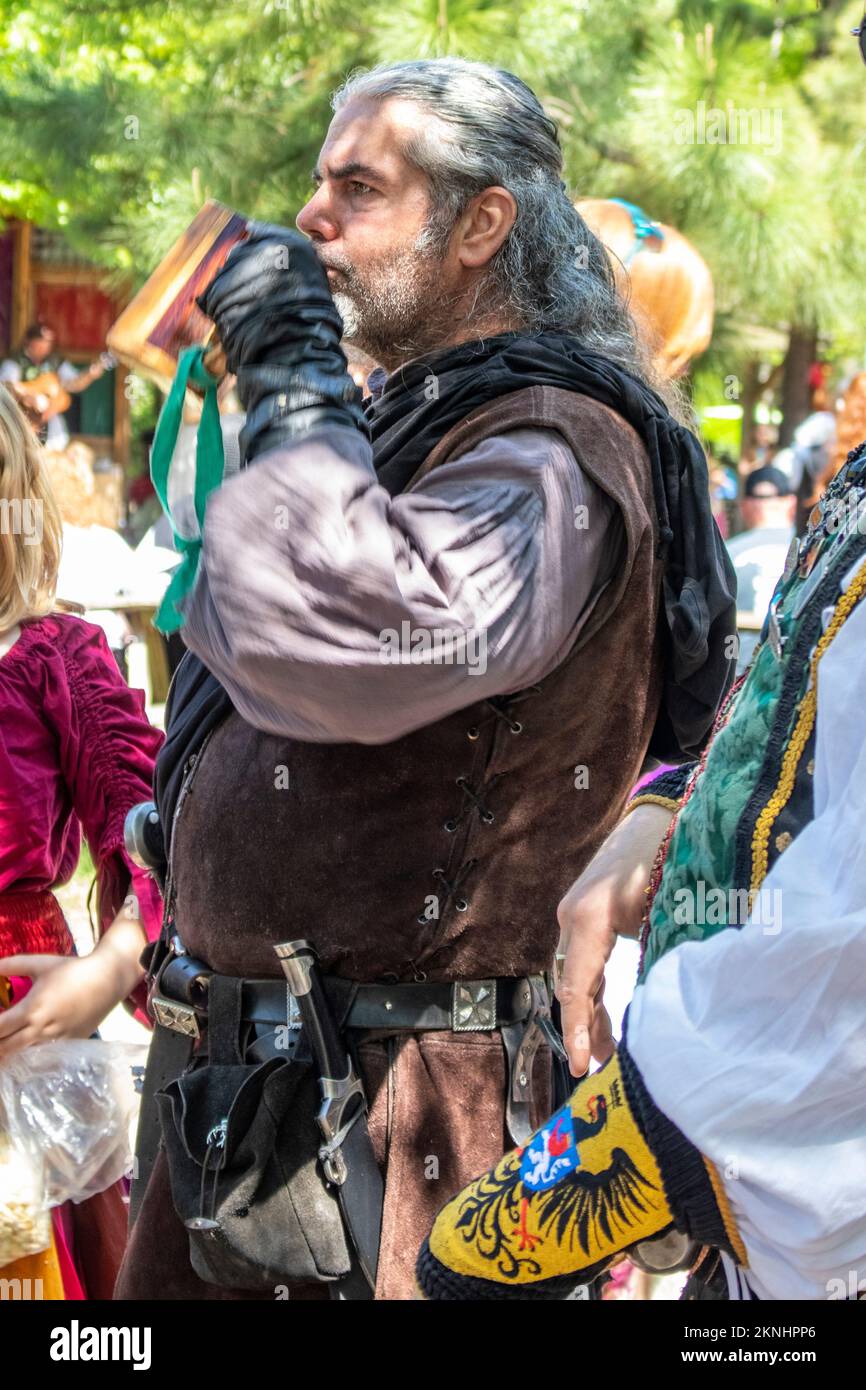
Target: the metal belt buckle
pixel 179 1018
pixel 473 1006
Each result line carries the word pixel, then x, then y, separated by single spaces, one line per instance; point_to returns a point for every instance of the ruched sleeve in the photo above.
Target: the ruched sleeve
pixel 107 750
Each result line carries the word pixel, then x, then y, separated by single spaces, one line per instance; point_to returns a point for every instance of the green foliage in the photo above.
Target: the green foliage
pixel 117 119
pixel 85 869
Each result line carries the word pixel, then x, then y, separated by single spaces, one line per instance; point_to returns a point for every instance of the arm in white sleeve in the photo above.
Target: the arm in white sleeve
pixel 333 612
pixel 754 1042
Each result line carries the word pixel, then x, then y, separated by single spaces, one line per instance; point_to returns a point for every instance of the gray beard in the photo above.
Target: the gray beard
pixel 395 310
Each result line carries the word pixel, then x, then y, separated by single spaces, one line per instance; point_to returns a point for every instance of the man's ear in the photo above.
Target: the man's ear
pixel 484 227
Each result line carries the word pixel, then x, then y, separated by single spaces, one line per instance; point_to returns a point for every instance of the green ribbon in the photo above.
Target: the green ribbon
pixel 209 464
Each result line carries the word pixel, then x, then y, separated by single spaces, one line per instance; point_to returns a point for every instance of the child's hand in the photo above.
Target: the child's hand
pixel 69 998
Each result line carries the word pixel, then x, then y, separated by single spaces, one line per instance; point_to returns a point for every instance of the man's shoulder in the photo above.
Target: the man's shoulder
pixel 586 425
pixel 513 450
pixel 547 407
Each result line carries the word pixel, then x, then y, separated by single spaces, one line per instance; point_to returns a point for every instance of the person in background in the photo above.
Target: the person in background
pixel 76 753
pixel 759 552
pixel 768 502
pixel 723 491
pixel 848 428
pixel 664 279
pixel 760 451
pixel 38 358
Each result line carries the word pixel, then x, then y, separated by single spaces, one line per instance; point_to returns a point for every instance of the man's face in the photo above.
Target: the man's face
pixel 367 220
pixel 38 349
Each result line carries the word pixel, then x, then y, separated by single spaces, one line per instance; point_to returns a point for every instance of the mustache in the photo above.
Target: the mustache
pixel 341 264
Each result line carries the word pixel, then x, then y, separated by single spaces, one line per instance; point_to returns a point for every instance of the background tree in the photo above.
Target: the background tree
pixel 117 120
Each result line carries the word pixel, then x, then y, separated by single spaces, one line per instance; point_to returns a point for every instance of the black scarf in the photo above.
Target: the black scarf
pixel 419 405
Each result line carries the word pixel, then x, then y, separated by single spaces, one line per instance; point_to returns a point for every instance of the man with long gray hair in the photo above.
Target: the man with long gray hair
pixel 433 638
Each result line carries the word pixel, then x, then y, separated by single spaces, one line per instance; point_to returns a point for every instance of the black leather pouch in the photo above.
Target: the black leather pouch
pixel 242 1143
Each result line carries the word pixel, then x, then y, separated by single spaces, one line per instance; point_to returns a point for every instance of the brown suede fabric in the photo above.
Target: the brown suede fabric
pixel 442 1091
pixel 349 854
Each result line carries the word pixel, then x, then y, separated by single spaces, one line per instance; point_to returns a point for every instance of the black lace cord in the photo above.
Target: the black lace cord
pixel 501 709
pixel 213 1191
pixel 216 1171
pixel 451 888
pixel 474 800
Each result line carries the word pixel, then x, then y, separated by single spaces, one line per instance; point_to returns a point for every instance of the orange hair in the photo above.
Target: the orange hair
pixel 31 531
pixel 668 285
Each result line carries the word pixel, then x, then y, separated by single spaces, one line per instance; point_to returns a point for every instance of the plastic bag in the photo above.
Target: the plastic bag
pixel 70 1106
pixel 25 1221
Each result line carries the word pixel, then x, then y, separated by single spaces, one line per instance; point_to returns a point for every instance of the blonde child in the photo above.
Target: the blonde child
pixel 76 752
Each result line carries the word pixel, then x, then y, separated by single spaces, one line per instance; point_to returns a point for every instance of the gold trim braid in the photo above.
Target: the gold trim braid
pixel 727 1215
pixel 802 730
pixel 650 799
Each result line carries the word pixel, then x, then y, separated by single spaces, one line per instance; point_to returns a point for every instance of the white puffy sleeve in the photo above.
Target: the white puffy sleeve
pixel 754 1041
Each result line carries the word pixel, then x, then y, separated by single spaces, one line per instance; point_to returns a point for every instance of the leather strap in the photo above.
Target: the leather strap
pixel 423 1007
pixel 169 1056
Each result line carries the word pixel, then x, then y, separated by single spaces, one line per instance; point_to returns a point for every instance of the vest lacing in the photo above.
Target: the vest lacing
pixel 500 707
pixel 460 904
pixel 451 888
pixel 473 799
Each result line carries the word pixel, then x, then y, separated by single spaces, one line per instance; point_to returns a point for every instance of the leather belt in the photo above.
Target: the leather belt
pixel 463 1006
pixel 518 1007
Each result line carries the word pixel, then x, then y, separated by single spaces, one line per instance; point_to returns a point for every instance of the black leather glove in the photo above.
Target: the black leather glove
pixel 280 330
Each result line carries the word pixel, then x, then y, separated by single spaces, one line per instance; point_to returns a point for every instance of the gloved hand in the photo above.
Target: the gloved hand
pixel 280 330
pixel 604 1173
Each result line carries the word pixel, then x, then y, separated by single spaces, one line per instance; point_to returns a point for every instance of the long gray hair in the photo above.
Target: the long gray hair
pixel 489 128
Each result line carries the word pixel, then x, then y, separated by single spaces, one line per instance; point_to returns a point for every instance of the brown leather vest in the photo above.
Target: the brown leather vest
pixel 480 817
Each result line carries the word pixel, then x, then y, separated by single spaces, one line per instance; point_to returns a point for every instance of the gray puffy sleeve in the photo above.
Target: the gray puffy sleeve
pixel 333 612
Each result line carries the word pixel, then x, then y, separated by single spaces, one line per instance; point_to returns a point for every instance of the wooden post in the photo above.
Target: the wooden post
pixel 21 284
pixel 121 417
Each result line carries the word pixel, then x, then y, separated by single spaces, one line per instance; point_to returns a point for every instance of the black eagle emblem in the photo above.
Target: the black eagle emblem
pixel 582 1210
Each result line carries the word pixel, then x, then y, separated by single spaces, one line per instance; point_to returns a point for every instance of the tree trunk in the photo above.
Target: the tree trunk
pixel 796 392
pixel 750 397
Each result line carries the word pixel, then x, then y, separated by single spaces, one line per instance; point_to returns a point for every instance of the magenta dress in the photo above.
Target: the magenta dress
pixel 76 752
